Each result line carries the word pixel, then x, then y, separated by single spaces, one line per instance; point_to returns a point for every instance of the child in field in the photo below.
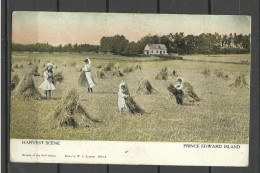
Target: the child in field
pixel 87 70
pixel 121 97
pixel 47 85
pixel 179 92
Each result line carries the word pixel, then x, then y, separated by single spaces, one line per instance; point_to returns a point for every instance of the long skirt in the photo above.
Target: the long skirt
pixel 90 80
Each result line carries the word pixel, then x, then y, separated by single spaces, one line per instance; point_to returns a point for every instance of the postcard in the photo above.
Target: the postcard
pixel 137 89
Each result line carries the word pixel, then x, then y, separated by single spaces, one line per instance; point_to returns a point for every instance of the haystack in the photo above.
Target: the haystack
pixel 163 74
pixel 206 71
pixel 221 74
pixel 58 77
pixel 16 66
pixel 240 81
pixel 99 66
pixel 43 65
pixel 34 71
pixel 21 66
pixel 128 69
pixel 116 66
pixel 78 69
pixel 174 92
pixel 73 64
pixel 132 106
pixel 70 113
pixel 82 81
pixel 39 60
pixel 188 90
pixel 117 73
pixel 30 63
pixel 137 67
pixel 14 81
pixel 27 89
pixel 107 67
pixel 101 74
pixel 145 87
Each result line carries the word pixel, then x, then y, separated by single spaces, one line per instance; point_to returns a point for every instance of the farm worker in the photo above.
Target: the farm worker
pixel 121 97
pixel 87 70
pixel 47 85
pixel 179 87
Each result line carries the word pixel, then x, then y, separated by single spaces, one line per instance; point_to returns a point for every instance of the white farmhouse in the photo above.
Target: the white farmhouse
pixel 155 49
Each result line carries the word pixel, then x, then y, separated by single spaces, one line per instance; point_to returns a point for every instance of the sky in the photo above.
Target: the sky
pixel 75 27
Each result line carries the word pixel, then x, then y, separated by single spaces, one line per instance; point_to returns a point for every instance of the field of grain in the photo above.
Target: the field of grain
pixel 221 116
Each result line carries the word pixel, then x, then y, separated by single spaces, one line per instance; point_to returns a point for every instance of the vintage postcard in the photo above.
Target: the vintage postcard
pixel 142 89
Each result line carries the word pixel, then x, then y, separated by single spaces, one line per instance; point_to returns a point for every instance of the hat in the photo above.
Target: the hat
pixel 86 60
pixel 49 64
pixel 122 84
pixel 179 79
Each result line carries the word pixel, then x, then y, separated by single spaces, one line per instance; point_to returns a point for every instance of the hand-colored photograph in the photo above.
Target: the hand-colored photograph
pixel 130 77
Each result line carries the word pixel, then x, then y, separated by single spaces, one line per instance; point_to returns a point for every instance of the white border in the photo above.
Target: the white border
pixel 132 153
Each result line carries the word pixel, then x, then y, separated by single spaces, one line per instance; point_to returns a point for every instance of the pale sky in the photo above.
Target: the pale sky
pixel 67 27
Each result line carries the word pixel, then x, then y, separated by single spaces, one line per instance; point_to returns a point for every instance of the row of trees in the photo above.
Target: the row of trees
pixel 45 47
pixel 179 43
pixel 175 43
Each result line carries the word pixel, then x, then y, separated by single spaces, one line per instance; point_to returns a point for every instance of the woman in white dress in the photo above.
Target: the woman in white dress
pixel 47 85
pixel 87 70
pixel 121 98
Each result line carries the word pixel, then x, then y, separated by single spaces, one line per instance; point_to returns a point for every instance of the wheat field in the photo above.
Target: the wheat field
pixel 222 115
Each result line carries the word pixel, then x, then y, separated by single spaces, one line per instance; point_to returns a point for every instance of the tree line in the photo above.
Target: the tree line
pixel 45 47
pixel 178 43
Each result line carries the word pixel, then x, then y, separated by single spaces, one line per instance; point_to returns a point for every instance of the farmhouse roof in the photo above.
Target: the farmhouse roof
pixel 157 46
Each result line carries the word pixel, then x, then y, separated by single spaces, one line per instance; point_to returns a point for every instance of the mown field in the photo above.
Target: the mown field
pixel 221 116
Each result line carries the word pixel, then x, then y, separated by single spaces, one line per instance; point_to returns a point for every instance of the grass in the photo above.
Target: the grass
pixel 221 116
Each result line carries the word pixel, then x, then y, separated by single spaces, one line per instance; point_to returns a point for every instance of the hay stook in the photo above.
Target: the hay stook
pixel 145 87
pixel 34 71
pixel 240 81
pixel 82 81
pixel 78 69
pixel 117 74
pixel 221 74
pixel 99 66
pixel 138 67
pixel 206 71
pixel 174 92
pixel 58 77
pixel 101 74
pixel 70 113
pixel 132 106
pixel 14 81
pixel 73 64
pixel 128 69
pixel 188 92
pixel 163 74
pixel 16 66
pixel 108 67
pixel 27 89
